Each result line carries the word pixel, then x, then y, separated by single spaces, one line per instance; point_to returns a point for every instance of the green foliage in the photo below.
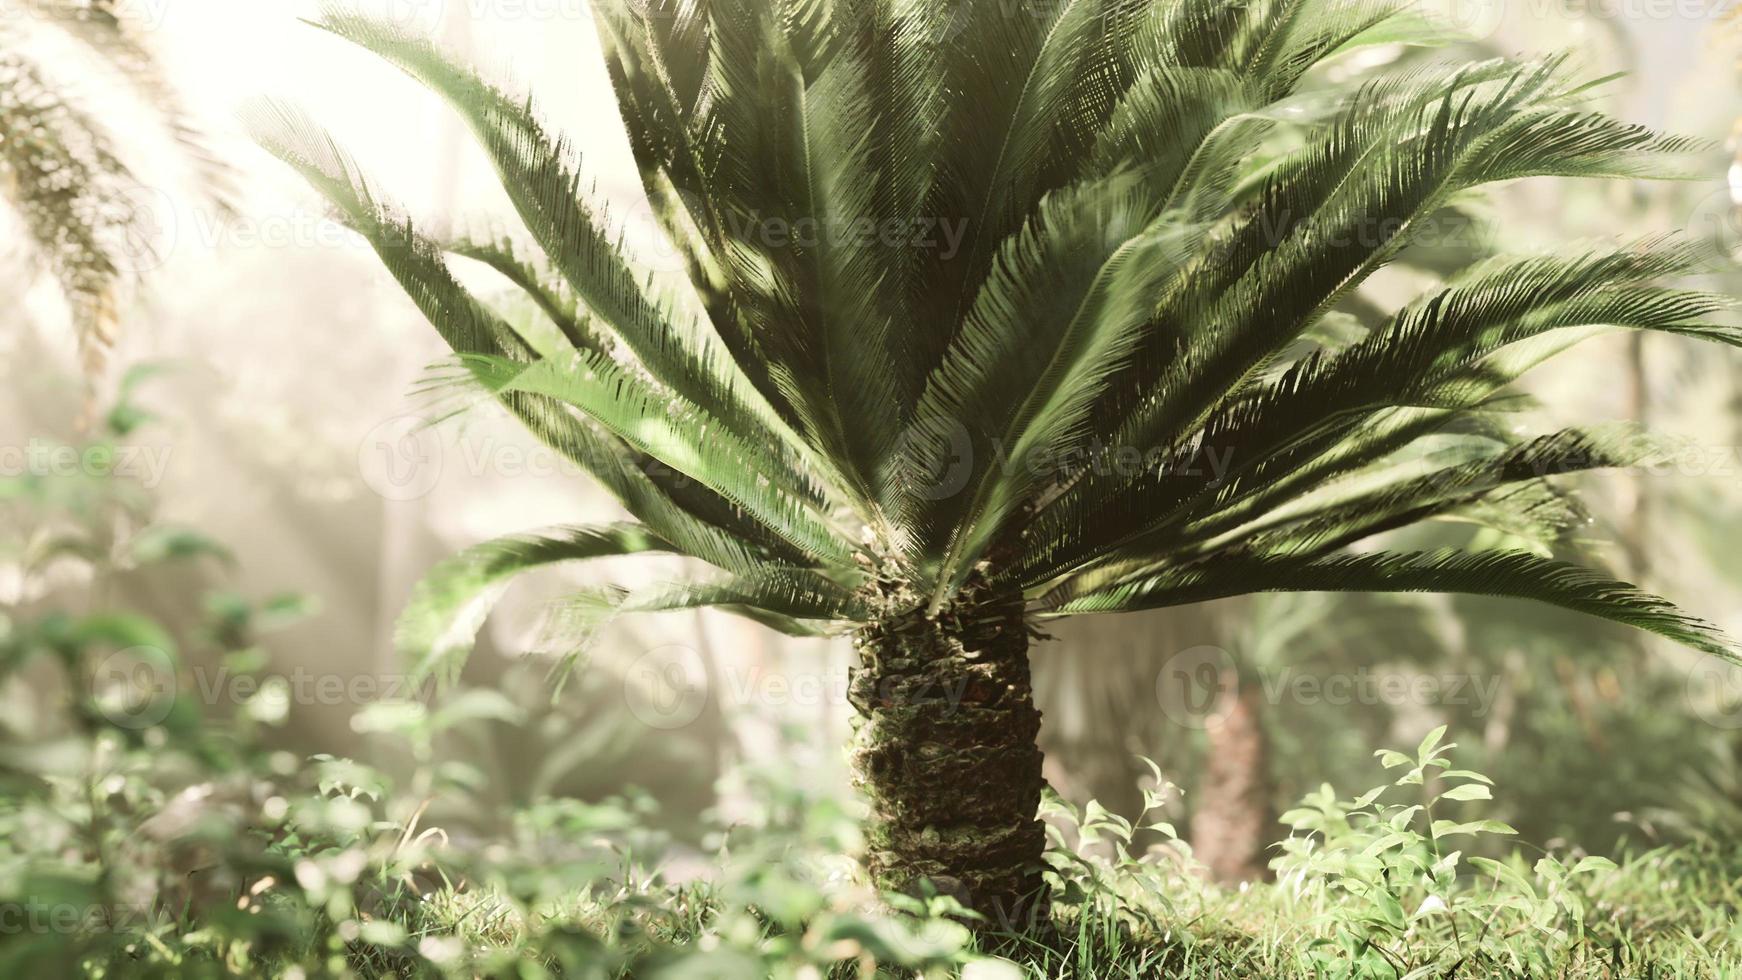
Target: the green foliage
pixel 1393 894
pixel 1131 237
pixel 143 833
pixel 188 850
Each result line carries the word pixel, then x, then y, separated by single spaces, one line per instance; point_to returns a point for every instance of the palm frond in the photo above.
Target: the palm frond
pixel 1147 365
pixel 1507 574
pixel 449 604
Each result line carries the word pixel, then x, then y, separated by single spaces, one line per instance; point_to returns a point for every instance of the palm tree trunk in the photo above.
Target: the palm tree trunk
pixel 944 751
pixel 1234 819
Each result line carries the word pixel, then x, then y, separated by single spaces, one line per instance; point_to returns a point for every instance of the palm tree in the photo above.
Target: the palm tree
pixel 998 315
pixel 84 208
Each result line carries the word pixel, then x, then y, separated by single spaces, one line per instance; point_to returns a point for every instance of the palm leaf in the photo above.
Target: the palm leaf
pixel 1509 574
pixel 450 603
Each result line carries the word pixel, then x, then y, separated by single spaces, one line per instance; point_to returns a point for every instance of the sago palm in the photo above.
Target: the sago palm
pixel 1001 313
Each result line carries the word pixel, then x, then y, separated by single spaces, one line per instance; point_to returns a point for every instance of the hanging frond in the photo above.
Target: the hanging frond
pixel 450 603
pixel 1518 575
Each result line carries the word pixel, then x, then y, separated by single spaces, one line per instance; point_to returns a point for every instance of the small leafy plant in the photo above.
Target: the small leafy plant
pixel 1398 894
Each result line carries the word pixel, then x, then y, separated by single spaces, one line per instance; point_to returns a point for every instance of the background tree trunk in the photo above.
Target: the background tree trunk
pixel 1235 814
pixel 944 751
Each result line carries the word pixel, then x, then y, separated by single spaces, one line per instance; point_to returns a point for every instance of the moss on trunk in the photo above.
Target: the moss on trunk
pixel 944 751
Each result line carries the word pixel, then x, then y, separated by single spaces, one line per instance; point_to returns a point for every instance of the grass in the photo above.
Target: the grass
pixel 1357 895
pixel 1665 913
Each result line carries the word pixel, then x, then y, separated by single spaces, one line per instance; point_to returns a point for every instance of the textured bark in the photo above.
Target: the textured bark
pixel 1234 818
pixel 944 751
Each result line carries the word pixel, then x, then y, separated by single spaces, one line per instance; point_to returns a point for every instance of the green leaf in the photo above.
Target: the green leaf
pixel 1448 828
pixel 168 543
pixel 1389 907
pixel 1429 742
pixel 1594 863
pixel 1467 792
pixel 1466 774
